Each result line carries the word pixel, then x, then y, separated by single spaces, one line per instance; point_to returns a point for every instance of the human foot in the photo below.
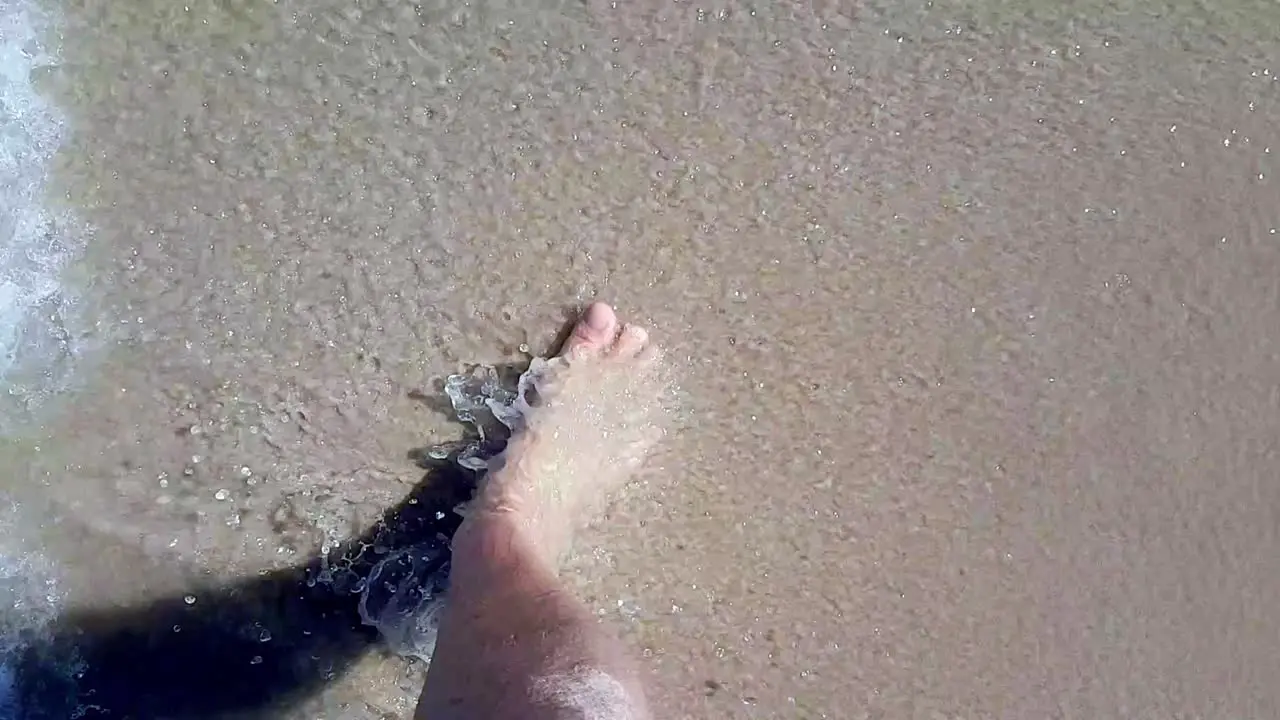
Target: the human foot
pixel 600 409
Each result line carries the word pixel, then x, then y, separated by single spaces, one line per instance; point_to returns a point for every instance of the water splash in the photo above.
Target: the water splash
pixel 613 416
pixel 492 405
pixel 404 594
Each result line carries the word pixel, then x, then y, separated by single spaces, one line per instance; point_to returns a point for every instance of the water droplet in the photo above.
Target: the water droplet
pixel 221 495
pixel 473 463
pixel 190 599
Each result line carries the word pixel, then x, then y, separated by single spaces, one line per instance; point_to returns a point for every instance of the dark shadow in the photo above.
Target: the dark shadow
pixel 247 650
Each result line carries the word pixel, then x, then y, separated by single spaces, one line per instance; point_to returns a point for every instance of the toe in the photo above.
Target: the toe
pixel 631 342
pixel 594 331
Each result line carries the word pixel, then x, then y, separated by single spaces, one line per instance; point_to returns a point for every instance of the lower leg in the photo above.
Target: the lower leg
pixel 515 644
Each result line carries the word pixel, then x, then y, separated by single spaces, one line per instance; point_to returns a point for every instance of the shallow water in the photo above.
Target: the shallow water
pixel 973 304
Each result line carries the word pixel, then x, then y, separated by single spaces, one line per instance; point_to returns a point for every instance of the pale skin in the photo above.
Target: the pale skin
pixel 514 644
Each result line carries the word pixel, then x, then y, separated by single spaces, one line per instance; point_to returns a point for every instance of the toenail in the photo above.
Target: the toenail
pixel 598 317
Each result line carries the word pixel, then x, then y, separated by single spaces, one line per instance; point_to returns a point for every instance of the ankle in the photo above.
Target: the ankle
pixel 500 540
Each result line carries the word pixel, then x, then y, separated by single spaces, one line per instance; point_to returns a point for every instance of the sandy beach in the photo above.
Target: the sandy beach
pixel 974 308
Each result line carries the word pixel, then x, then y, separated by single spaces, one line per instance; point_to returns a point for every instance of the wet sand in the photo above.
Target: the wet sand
pixel 974 308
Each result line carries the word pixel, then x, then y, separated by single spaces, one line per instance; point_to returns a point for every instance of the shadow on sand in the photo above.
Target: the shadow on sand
pixel 242 651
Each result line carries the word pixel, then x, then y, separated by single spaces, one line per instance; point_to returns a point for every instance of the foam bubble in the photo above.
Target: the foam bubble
pixel 36 345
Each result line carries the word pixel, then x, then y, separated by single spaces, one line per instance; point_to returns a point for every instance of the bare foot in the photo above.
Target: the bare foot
pixel 600 409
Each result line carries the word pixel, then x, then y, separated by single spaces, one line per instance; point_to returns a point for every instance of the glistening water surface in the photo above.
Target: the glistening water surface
pixel 974 306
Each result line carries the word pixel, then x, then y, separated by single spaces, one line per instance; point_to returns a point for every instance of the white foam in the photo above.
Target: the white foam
pixel 589 694
pixel 35 242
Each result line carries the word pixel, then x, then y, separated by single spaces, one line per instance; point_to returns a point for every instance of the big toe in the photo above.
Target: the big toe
pixel 594 331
